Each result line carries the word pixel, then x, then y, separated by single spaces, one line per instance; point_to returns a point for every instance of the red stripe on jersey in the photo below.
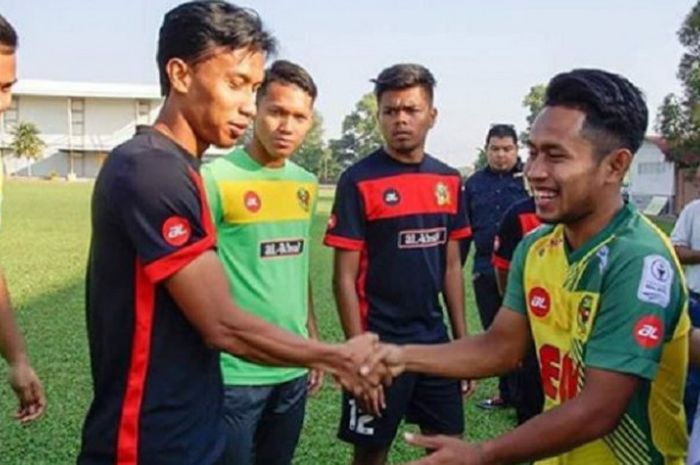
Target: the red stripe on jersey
pixel 361 285
pixel 463 233
pixel 528 222
pixel 170 264
pixel 409 194
pixel 500 262
pixel 340 242
pixel 128 434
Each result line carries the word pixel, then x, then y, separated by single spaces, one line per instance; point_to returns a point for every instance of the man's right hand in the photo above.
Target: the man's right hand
pixel 29 391
pixel 354 354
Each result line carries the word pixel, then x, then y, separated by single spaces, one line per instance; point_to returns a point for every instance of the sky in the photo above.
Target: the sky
pixel 484 55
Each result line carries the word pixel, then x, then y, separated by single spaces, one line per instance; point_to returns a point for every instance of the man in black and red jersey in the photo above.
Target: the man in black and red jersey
pixel 396 224
pixel 158 304
pixel 524 385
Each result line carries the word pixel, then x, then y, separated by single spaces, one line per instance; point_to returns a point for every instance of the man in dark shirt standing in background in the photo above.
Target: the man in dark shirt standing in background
pixel 488 193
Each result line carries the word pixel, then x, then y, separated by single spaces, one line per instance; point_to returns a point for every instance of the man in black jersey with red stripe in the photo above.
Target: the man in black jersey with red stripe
pixel 396 224
pixel 524 385
pixel 158 303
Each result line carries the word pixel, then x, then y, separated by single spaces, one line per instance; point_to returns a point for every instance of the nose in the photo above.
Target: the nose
pixel 285 125
pixel 248 107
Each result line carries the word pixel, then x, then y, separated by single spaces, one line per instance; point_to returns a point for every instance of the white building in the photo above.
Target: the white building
pixel 80 122
pixel 652 177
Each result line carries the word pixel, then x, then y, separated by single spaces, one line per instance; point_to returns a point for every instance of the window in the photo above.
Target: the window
pixel 652 168
pixel 11 116
pixel 77 116
pixel 143 112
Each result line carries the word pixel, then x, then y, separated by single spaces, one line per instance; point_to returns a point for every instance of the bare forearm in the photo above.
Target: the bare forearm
pixel 471 357
pixel 12 346
pixel 687 256
pixel 561 429
pixel 453 293
pixel 348 305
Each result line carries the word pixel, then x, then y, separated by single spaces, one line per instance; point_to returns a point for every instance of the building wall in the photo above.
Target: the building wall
pixel 650 173
pixel 106 122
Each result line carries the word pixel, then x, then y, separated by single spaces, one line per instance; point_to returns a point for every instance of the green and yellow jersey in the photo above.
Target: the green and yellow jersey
pixel 263 219
pixel 617 303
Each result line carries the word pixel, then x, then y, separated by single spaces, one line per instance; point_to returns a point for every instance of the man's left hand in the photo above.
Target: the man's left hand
pixel 446 450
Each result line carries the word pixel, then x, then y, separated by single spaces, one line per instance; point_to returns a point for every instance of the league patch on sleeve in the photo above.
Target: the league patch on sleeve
pixel 656 282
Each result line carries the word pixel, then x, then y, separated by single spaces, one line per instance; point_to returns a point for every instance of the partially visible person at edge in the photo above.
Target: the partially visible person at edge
pixel 396 225
pixel 599 290
pixel 488 193
pixel 24 382
pixel 159 306
pixel 262 204
pixel 526 386
pixel 686 241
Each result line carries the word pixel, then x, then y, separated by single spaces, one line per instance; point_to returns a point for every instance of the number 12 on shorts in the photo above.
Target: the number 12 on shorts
pixel 358 421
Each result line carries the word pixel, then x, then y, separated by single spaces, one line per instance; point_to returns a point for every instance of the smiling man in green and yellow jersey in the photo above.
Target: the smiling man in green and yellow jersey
pixel 262 206
pixel 597 289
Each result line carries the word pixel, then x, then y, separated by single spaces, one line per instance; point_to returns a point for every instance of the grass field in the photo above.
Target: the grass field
pixel 43 248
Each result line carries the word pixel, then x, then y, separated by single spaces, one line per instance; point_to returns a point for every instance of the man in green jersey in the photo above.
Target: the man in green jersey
pixel 262 205
pixel 599 291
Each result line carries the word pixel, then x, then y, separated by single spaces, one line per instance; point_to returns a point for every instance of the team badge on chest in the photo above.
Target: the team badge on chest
pixel 304 198
pixel 442 194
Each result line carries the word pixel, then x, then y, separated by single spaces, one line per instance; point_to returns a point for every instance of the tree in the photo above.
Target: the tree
pixel 481 160
pixel 26 143
pixel 361 134
pixel 311 152
pixel 533 102
pixel 678 118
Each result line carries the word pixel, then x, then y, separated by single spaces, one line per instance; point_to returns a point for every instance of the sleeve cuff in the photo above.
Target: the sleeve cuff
pixel 340 242
pixel 168 265
pixel 500 262
pixel 620 362
pixel 461 233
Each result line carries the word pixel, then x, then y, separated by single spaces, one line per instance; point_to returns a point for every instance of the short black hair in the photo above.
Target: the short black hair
pixel 616 113
pixel 193 28
pixel 8 35
pixel 286 72
pixel 403 76
pixel 502 130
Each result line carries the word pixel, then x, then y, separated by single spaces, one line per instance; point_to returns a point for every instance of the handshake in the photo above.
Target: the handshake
pixel 363 365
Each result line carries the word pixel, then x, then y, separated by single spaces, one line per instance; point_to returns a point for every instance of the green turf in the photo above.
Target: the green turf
pixel 43 246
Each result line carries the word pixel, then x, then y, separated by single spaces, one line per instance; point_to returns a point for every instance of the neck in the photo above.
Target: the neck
pixel 258 153
pixel 173 124
pixel 414 156
pixel 577 233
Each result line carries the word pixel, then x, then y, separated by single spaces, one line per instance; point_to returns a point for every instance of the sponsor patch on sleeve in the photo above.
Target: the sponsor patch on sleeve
pixel 657 280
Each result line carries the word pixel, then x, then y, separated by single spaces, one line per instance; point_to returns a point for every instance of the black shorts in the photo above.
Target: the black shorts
pixel 433 403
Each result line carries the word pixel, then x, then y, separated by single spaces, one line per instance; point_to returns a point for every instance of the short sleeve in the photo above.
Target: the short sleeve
pixel 212 190
pixel 459 222
pixel 514 297
pixel 346 225
pixel 641 303
pixel 682 230
pixel 164 216
pixel 507 238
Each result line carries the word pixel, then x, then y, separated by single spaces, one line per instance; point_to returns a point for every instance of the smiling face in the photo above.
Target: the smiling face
pixel 218 94
pixel 405 117
pixel 564 172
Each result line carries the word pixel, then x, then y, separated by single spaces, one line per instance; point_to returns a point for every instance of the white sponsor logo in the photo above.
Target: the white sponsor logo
pixel 421 238
pixel 656 282
pixel 649 331
pixel 281 248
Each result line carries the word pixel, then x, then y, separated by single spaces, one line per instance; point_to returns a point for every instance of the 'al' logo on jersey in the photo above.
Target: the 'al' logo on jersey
pixel 176 231
pixel 391 196
pixel 539 301
pixel 304 198
pixel 442 194
pixel 281 248
pixel 422 238
pixel 649 331
pixel 252 201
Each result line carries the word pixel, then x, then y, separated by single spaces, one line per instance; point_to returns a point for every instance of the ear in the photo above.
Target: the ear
pixel 180 75
pixel 616 165
pixel 433 116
